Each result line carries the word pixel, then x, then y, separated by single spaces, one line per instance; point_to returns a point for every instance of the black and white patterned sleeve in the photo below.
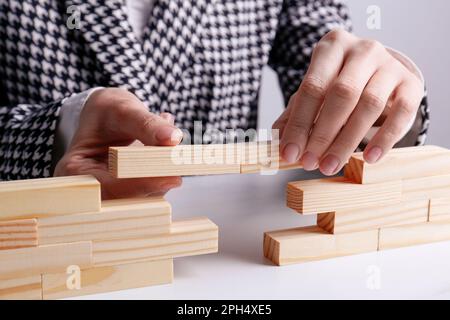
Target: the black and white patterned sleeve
pixel 302 23
pixel 26 140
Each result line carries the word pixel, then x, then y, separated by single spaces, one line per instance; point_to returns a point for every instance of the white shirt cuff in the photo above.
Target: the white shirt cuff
pixel 69 118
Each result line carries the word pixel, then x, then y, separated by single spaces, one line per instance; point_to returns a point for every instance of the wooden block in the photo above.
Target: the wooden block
pixel 49 197
pixel 186 238
pixel 190 160
pixel 117 219
pixel 403 163
pixel 312 243
pixel 411 235
pixel 432 187
pixel 334 194
pixel 440 209
pixel 359 219
pixel 182 160
pixel 44 259
pixel 18 234
pixel 107 279
pixel 28 288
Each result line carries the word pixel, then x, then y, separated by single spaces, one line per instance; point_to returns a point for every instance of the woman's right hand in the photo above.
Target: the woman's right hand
pixel 115 117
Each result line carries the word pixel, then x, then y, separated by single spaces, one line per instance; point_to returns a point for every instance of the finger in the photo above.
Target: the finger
pixel 170 118
pixel 136 188
pixel 137 122
pixel 342 98
pixel 281 122
pixel 326 62
pixel 406 102
pixel 371 105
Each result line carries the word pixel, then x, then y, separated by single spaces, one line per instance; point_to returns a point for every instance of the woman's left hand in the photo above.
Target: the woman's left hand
pixel 350 85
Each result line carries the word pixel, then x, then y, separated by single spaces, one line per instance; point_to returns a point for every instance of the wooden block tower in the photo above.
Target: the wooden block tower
pixel 58 240
pixel 404 200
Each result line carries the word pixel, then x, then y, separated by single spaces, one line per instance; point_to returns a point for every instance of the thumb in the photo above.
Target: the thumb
pixel 149 128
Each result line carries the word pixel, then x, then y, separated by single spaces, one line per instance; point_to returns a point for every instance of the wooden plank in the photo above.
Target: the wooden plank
pixel 313 243
pixel 403 163
pixel 16 234
pixel 440 209
pixel 108 279
pixel 189 160
pixel 182 160
pixel 49 197
pixel 334 194
pixel 44 259
pixel 186 238
pixel 411 235
pixel 359 219
pixel 117 219
pixel 432 187
pixel 28 288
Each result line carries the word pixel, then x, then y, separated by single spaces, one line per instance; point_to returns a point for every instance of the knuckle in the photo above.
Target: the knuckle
pixel 345 89
pixel 372 102
pixel 148 123
pixel 298 129
pixel 393 132
pixel 369 45
pixel 118 91
pixel 121 109
pixel 322 45
pixel 121 93
pixel 123 106
pixel 113 95
pixel 321 139
pixel 115 100
pixel 276 125
pixel 279 124
pixel 291 101
pixel 343 148
pixel 313 87
pixel 293 97
pixel 405 107
pixel 396 67
pixel 335 35
pixel 346 146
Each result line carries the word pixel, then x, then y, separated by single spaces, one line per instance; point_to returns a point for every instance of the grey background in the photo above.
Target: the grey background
pixel 418 28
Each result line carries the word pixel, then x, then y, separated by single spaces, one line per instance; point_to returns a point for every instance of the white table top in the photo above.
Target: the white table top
pixel 244 207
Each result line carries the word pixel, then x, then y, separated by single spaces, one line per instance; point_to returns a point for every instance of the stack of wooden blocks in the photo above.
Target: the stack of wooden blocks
pixel 52 229
pixel 402 201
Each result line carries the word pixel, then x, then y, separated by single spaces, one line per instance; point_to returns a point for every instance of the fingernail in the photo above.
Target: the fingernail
pixel 310 161
pixel 291 153
pixel 169 134
pixel 329 165
pixel 374 155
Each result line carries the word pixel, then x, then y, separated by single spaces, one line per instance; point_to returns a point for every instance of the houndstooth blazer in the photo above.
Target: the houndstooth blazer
pixel 200 60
